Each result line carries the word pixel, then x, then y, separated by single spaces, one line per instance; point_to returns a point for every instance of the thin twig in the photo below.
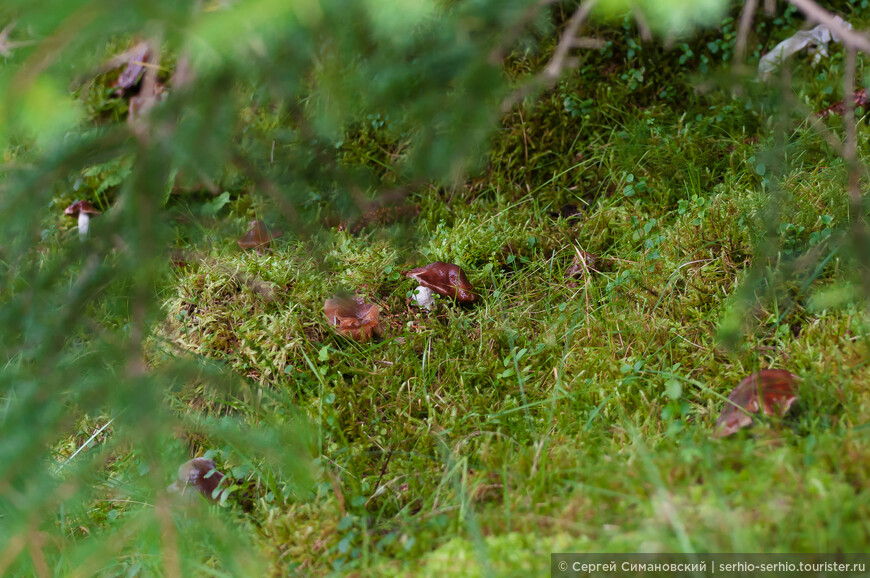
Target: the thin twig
pixel 37 556
pixel 84 445
pixel 339 495
pixel 743 30
pixel 558 62
pixel 560 57
pixel 169 538
pixel 381 476
pixel 6 46
pixel 816 13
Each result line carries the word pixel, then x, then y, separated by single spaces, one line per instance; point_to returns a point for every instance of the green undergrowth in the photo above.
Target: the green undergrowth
pixel 556 414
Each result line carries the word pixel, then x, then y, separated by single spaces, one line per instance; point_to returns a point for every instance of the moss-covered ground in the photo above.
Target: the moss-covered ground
pixel 558 413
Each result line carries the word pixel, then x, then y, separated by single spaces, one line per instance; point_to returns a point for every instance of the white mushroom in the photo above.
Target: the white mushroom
pixel 84 211
pixel 425 297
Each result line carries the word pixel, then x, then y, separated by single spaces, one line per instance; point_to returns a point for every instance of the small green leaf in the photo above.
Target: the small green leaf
pixel 211 208
pixel 673 389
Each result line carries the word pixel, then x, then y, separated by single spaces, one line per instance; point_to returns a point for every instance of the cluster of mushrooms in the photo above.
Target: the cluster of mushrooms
pixel 351 317
pixel 354 318
pixel 769 391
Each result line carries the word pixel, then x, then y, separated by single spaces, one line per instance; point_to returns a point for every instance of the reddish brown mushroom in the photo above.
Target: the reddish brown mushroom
pixel 136 58
pixel 82 210
pixel 198 473
pixel 259 236
pixel 582 263
pixel 443 278
pixel 860 98
pixel 353 317
pixel 773 390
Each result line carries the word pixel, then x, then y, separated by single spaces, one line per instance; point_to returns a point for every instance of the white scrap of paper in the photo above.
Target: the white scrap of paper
pixel 816 39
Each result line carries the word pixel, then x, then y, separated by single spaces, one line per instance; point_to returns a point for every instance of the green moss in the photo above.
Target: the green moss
pixel 560 414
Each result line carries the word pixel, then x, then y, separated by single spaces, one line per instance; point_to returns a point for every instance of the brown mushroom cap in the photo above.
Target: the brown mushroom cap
pixel 136 58
pixel 445 279
pixel 589 263
pixel 353 317
pixel 773 390
pixel 258 235
pixel 81 207
pixel 195 473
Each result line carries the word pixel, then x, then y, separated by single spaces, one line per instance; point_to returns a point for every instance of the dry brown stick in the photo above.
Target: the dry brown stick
pixel 816 13
pixel 558 62
pixel 743 30
pixel 381 476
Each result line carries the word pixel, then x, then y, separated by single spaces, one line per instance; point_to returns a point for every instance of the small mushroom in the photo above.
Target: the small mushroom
pixel 860 98
pixel 353 317
pixel 443 278
pixel 258 236
pixel 84 211
pixel 199 473
pixel 136 58
pixel 773 390
pixel 583 262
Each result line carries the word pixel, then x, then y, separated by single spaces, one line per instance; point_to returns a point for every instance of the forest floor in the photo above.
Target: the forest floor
pixel 566 410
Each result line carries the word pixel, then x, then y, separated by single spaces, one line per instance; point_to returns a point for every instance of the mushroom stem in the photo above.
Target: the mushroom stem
pixel 84 220
pixel 425 297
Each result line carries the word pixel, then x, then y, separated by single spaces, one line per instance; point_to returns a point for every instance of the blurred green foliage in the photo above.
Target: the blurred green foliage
pixel 302 110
